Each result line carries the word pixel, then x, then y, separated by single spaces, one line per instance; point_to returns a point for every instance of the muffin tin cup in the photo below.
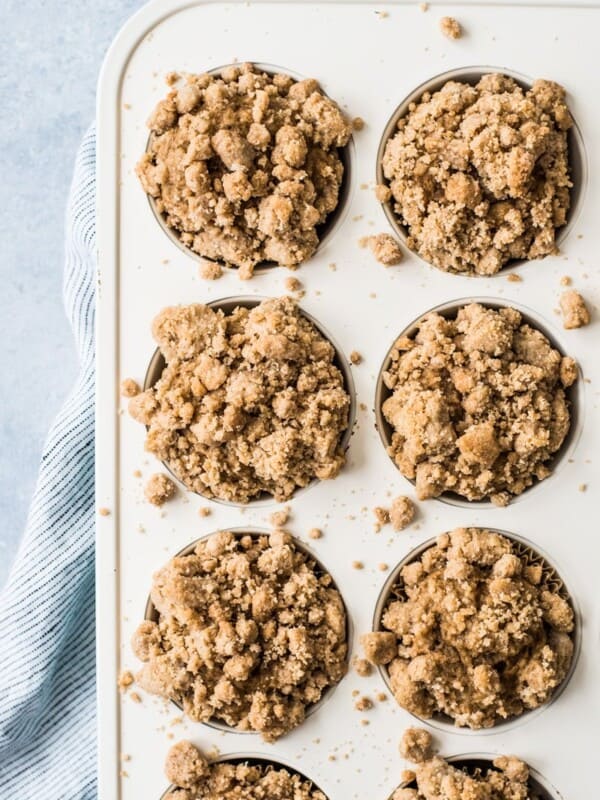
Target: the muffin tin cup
pixel 254 760
pixel 536 554
pixel 539 786
pixel 228 305
pixel 575 395
pixel 578 160
pixel 152 615
pixel 325 231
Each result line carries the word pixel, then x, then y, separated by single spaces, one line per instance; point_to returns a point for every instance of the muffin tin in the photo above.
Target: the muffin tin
pixel 368 58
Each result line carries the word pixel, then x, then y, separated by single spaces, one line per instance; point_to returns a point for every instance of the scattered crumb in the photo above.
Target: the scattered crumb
pixel 358 123
pixel 355 357
pixel 135 697
pixel 210 270
pixel 362 667
pixel 159 489
pixel 293 285
pixel 357 565
pixel 125 757
pixel 365 722
pixel 363 703
pixel 565 281
pixel 402 512
pixel 204 511
pixel 382 517
pixel 126 106
pixel 315 533
pixel 383 193
pixel 129 388
pixel 123 773
pixel 451 27
pixel 332 266
pixel 104 512
pixel 582 487
pixel 513 277
pixel 424 7
pixel 384 247
pixel 137 473
pixel 125 680
pixel 279 518
pixel 574 310
pixel 382 14
pixel 382 567
pixel 379 647
pixel 415 745
pixel 381 697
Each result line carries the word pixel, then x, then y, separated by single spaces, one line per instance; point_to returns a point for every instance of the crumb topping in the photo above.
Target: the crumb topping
pixel 478 404
pixel 474 630
pixel 574 310
pixel 195 778
pixel 480 174
pixel 159 489
pixel 248 403
pixel 384 247
pixel 129 388
pixel 250 631
pixel 245 166
pixel 451 27
pixel 415 745
pixel 402 512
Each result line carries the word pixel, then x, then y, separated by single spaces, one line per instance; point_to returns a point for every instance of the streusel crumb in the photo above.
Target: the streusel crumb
pixel 478 404
pixel 126 680
pixel 362 667
pixel 363 704
pixel 480 174
pixel 159 489
pixel 129 388
pixel 210 270
pixel 383 193
pixel 195 778
pixel 315 533
pixel 355 358
pixel 402 512
pixel 416 745
pixel 384 247
pixel 245 166
pixel 250 631
pixel 574 310
pixel 450 27
pixel 248 403
pixel 474 632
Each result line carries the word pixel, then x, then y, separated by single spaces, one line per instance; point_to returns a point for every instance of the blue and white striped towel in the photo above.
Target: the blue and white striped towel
pixel 47 660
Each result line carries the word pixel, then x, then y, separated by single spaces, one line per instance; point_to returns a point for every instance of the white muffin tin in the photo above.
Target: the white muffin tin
pixel 368 57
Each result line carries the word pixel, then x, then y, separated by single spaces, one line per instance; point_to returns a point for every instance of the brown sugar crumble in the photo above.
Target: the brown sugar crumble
pixel 104 512
pixel 512 277
pixel 475 630
pixel 210 270
pixel 204 511
pixel 135 697
pixel 478 404
pixel 565 281
pixel 293 285
pixel 451 28
pixel 279 518
pixel 480 174
pixel 248 403
pixel 362 667
pixel 358 124
pixel 250 631
pixel 416 745
pixel 129 388
pixel 383 193
pixel 402 512
pixel 358 565
pixel 574 311
pixel 159 489
pixel 125 680
pixel 384 247
pixel 363 704
pixel 355 358
pixel 193 777
pixel 315 533
pixel 436 779
pixel 244 166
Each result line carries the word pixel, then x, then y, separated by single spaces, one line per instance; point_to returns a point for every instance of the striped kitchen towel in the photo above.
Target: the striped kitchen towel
pixel 47 660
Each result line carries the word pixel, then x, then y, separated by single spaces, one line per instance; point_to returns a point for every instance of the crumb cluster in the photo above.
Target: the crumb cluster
pixel 245 166
pixel 159 489
pixel 480 174
pixel 451 27
pixel 248 403
pixel 476 630
pixel 436 779
pixel 478 404
pixel 249 631
pixel 416 745
pixel 574 311
pixel 193 777
pixel 384 247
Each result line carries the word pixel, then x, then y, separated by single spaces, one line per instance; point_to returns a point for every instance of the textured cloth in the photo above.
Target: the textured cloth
pixel 47 658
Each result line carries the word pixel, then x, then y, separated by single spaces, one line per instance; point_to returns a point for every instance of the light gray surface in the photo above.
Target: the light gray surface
pixel 51 54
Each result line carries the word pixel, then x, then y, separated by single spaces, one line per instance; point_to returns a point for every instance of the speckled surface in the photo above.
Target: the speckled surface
pixel 52 52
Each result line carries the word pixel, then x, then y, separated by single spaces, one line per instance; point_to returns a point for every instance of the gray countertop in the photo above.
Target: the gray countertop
pixel 51 54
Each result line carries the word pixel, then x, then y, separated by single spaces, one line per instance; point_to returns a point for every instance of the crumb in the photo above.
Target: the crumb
pixel 383 193
pixel 416 745
pixel 481 444
pixel 379 647
pixel 365 722
pixel 382 517
pixel 135 697
pixel 125 680
pixel 565 281
pixel 582 487
pixel 362 667
pixel 355 358
pixel 126 106
pixel 513 277
pixel 125 757
pixel 382 14
pixel 279 518
pixel 332 267
pixel 244 167
pixel 137 473
pixel 574 310
pixel 363 704
pixel 357 565
pixel 104 512
pixel 384 247
pixel 210 270
pixel 382 567
pixel 129 388
pixel 473 633
pixel 315 533
pixel 451 27
pixel 293 285
pixel 249 403
pixel 204 511
pixel 402 512
pixel 159 489
pixel 281 646
pixel 362 406
pixel 494 200
pixel 381 697
pixel 424 7
pixel 358 124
